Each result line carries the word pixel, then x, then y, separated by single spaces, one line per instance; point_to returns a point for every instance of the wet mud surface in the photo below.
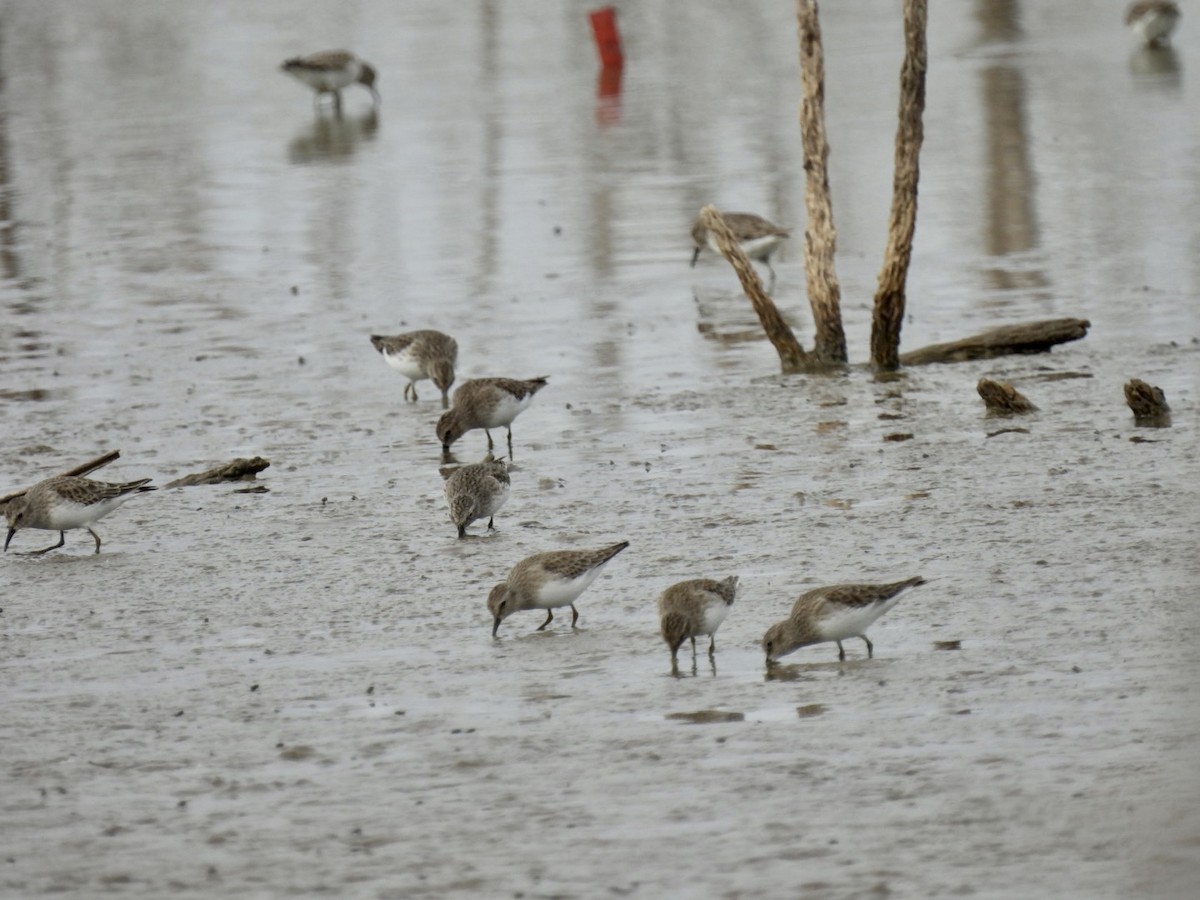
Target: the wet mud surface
pixel 297 693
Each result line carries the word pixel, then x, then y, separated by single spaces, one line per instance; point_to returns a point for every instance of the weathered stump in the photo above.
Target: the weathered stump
pixel 1149 404
pixel 1002 399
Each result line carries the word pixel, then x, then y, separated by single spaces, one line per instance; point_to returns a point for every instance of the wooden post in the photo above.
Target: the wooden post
pixel 792 357
pixel 820 236
pixel 889 299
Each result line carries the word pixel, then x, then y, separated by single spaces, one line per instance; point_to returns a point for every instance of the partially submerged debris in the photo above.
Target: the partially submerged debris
pixel 1149 404
pixel 235 470
pixel 1002 399
pixel 1027 337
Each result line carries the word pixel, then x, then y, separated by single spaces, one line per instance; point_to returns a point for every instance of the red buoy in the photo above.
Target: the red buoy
pixel 608 39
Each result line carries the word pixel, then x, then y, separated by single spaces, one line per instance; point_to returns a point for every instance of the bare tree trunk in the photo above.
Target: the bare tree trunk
pixel 889 299
pixel 792 357
pixel 820 237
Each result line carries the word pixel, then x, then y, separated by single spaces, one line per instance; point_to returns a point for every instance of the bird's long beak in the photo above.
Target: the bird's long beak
pixel 695 256
pixel 495 626
pixel 11 532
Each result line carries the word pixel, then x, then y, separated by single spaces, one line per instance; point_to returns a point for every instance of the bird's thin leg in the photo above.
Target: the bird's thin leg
pixel 549 619
pixel 712 644
pixel 491 526
pixel 841 652
pixel 693 647
pixel 62 539
pixel 870 647
pixel 462 531
pixel 771 282
pixel 445 400
pixel 337 103
pixel 489 434
pixel 574 615
pixel 510 453
pixel 97 537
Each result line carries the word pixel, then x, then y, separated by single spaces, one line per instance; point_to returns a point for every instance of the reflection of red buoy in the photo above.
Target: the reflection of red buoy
pixel 608 39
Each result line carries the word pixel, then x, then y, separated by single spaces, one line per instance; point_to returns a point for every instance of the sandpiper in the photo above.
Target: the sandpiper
pixel 757 237
pixel 476 491
pixel 486 403
pixel 833 613
pixel 418 355
pixel 67 501
pixel 692 608
pixel 328 71
pixel 1153 21
pixel 548 581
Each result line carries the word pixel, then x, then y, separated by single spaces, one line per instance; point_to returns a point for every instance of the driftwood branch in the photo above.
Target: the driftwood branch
pixel 820 236
pixel 792 357
pixel 910 134
pixel 236 470
pixel 82 469
pixel 1029 337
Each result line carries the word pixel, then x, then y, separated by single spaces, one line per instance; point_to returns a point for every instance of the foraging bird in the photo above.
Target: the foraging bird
pixel 833 613
pixel 757 237
pixel 548 581
pixel 67 501
pixel 1153 21
pixel 418 355
pixel 692 608
pixel 328 71
pixel 486 403
pixel 476 491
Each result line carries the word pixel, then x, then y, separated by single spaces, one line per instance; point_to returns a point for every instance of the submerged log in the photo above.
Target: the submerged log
pixel 910 133
pixel 235 470
pixel 1027 337
pixel 792 357
pixel 820 236
pixel 1149 404
pixel 1002 399
pixel 83 469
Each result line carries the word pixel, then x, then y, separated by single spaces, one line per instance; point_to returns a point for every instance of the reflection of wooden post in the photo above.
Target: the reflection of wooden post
pixel 792 357
pixel 889 299
pixel 820 237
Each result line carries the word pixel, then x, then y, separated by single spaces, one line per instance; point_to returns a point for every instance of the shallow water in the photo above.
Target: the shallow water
pixel 297 692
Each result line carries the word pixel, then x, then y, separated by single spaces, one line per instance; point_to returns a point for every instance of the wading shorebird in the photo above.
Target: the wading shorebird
pixel 418 355
pixel 548 581
pixel 486 403
pixel 476 492
pixel 328 71
pixel 693 608
pixel 833 613
pixel 757 237
pixel 65 502
pixel 1153 21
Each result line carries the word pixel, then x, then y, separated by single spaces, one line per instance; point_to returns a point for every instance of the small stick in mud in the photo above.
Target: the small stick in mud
pixel 1148 402
pixel 235 470
pixel 1002 399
